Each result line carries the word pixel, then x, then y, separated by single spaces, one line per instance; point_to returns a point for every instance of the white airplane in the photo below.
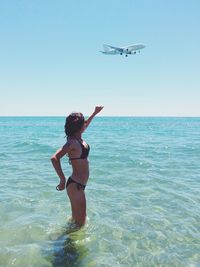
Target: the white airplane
pixel 127 50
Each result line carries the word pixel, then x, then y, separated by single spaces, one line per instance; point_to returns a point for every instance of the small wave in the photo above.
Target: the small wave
pixel 33 147
pixel 3 156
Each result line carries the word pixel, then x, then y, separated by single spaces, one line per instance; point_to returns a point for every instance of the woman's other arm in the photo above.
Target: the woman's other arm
pixel 55 159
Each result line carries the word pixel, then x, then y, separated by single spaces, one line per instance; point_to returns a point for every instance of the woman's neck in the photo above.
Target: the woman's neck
pixel 78 135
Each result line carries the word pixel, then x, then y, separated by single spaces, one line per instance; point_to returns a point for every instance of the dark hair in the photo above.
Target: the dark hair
pixel 74 123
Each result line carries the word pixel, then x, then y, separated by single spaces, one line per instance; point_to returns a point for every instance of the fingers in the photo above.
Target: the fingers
pixel 98 108
pixel 57 188
pixel 60 187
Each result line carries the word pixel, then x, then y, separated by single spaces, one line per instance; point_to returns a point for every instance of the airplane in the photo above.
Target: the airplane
pixel 127 50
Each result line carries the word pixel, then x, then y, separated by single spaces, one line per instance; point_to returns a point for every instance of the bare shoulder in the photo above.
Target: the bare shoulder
pixel 65 149
pixel 71 143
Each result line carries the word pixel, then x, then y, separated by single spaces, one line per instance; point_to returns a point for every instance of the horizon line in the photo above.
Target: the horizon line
pixel 144 116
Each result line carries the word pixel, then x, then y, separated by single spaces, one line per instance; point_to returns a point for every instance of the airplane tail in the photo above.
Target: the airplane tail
pixel 106 48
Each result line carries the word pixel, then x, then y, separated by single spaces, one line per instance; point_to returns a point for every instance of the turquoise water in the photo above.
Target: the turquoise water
pixel 143 195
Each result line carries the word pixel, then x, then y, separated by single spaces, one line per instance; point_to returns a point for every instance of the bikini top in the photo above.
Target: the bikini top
pixel 84 153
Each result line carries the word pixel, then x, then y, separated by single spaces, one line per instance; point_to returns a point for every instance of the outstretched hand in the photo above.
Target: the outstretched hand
pixel 98 109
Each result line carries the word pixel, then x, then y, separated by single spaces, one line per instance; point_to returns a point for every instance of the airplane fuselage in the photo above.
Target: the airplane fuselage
pixel 128 50
pixel 133 48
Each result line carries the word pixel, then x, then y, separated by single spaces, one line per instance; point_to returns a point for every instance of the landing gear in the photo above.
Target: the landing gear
pixel 126 55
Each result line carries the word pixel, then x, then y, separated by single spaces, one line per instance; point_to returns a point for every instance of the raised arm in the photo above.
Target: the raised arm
pixel 96 111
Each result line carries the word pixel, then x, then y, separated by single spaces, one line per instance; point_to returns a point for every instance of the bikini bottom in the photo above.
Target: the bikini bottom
pixel 79 186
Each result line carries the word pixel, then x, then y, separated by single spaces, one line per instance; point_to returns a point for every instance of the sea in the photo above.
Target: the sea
pixel 143 194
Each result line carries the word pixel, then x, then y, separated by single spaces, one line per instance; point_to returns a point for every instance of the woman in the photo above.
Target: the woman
pixel 77 151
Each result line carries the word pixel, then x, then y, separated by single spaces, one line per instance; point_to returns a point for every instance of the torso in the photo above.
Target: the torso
pixel 80 166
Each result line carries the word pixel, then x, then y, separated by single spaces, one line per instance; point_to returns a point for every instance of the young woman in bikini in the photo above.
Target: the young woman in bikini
pixel 77 150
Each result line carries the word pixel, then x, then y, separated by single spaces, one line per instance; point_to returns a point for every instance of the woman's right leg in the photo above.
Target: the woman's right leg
pixel 78 204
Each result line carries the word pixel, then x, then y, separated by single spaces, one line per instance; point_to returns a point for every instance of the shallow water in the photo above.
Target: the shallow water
pixel 143 199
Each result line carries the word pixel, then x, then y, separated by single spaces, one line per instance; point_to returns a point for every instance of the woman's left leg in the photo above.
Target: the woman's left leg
pixel 78 204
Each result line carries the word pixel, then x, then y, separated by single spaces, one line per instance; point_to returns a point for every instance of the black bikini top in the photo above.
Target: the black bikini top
pixel 85 151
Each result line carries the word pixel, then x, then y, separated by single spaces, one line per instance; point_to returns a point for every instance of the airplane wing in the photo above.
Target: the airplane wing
pixel 116 48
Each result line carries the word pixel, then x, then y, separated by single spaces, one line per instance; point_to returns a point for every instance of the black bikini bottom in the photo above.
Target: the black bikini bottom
pixel 79 186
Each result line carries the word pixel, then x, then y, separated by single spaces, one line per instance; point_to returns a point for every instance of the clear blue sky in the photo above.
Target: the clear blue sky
pixel 50 62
